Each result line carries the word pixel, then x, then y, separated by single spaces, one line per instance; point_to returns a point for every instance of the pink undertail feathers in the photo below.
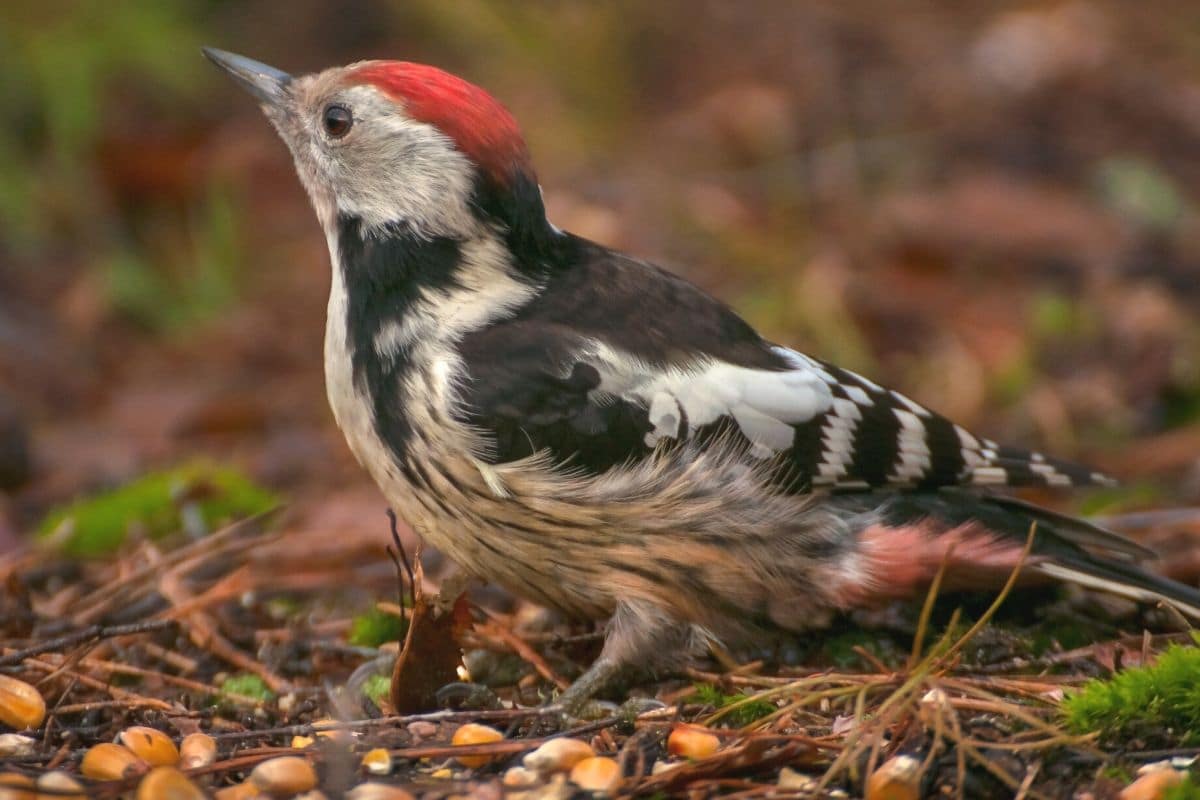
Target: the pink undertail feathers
pixel 900 561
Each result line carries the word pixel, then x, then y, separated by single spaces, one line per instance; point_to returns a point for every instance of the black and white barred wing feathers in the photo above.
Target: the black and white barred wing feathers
pixel 535 388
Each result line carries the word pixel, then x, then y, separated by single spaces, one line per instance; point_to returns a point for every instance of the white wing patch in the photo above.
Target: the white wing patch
pixel 769 405
pixel 765 404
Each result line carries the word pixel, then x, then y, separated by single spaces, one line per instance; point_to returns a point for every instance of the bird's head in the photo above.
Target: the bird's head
pixel 392 142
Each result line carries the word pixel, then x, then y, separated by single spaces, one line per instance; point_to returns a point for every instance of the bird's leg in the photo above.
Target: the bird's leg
pixel 579 694
pixel 639 633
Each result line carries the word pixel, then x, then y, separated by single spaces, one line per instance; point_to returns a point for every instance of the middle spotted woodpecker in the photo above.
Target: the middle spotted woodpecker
pixel 601 436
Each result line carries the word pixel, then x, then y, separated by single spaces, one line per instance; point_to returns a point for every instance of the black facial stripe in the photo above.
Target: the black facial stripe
pixel 384 273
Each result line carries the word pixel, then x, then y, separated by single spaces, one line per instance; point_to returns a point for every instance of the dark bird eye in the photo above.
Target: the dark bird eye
pixel 337 121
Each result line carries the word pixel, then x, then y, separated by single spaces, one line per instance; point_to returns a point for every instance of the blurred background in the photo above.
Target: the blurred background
pixel 991 206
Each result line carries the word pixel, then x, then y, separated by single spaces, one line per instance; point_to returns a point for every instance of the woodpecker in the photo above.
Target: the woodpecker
pixel 604 438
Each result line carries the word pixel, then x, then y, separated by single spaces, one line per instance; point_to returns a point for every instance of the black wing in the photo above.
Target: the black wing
pixel 616 356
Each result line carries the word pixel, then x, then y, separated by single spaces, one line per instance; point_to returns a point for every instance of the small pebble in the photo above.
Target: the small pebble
pixel 422 729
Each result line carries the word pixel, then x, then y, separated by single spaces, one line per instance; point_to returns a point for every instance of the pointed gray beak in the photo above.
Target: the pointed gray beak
pixel 267 84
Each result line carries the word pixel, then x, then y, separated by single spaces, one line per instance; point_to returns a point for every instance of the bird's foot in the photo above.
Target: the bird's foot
pixel 464 696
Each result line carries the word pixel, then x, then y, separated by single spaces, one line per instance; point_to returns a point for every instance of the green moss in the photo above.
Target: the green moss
pixel 248 686
pixel 375 628
pixel 710 695
pixel 377 688
pixel 839 649
pixel 198 497
pixel 1187 790
pixel 1163 699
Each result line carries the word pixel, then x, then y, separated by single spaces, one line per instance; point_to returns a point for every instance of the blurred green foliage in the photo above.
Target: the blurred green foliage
pixel 375 628
pixel 168 300
pixel 72 75
pixel 377 688
pixel 56 63
pixel 196 498
pixel 247 685
pixel 1140 191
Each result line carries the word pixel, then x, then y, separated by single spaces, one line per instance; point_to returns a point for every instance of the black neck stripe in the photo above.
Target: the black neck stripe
pixel 384 273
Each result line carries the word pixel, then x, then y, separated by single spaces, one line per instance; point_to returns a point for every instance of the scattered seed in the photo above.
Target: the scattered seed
pixel 897 778
pixel 377 761
pixel 59 786
pixel 691 742
pixel 109 762
pixel 327 729
pixel 197 750
pixel 21 705
pixel 150 745
pixel 240 791
pixel 558 755
pixel 1153 785
pixel 14 745
pixel 472 733
pixel 13 786
pixel 597 774
pixel 168 783
pixel 520 778
pixel 284 775
pixel 378 791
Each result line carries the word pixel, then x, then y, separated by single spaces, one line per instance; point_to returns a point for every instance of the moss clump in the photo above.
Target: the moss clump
pixel 377 688
pixel 1188 789
pixel 743 715
pixel 198 497
pixel 1163 699
pixel 375 628
pixel 247 685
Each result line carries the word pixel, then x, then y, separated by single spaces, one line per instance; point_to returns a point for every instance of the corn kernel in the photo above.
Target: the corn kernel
pixel 150 745
pixel 597 774
pixel 691 742
pixel 284 775
pixel 377 761
pixel 21 705
pixel 472 733
pixel 167 783
pixel 558 755
pixel 197 750
pixel 897 778
pixel 110 762
pixel 60 786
